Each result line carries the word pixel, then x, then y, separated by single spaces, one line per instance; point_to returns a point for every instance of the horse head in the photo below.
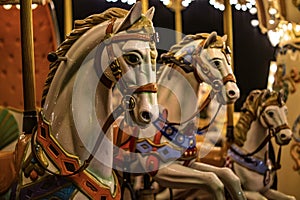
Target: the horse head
pixel 213 65
pixel 272 113
pixel 127 58
pixel 209 58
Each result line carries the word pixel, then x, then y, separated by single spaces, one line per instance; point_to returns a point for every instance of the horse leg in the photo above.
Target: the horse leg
pixel 251 195
pixel 274 194
pixel 181 177
pixel 226 175
pixel 183 194
pixel 138 183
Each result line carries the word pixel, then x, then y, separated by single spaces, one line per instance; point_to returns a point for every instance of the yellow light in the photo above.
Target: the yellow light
pixel 254 22
pixel 7 6
pixel 272 11
pixel 271 21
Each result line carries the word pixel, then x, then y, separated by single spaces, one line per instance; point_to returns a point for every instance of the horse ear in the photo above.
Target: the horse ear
pixel 132 16
pixel 211 38
pixel 149 14
pixel 281 97
pixel 224 38
pixel 266 94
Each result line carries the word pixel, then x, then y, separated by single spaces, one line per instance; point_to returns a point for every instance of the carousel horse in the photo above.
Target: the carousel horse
pixel 169 156
pixel 263 116
pixel 69 154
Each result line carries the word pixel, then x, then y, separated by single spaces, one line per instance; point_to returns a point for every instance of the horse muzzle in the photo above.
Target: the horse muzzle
pixel 283 137
pixel 232 92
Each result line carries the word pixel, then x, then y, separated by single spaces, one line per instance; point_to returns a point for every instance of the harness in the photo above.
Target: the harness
pixel 248 160
pixel 68 165
pixel 184 140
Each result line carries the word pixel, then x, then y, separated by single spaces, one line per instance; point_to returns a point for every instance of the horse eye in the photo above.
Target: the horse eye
pixel 132 58
pixel 217 63
pixel 270 113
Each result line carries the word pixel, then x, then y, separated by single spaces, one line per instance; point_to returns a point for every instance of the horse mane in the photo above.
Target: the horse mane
pixel 187 39
pixel 249 111
pixel 80 27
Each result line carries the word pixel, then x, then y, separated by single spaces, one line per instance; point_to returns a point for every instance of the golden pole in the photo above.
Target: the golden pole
pixel 28 67
pixel 68 17
pixel 227 27
pixel 178 19
pixel 145 5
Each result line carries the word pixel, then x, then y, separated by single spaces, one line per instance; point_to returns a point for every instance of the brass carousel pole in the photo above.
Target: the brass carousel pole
pixel 145 5
pixel 178 19
pixel 227 27
pixel 68 16
pixel 30 117
pixel 175 6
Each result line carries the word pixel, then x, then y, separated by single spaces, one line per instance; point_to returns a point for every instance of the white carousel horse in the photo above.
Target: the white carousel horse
pixel 71 151
pixel 196 59
pixel 263 116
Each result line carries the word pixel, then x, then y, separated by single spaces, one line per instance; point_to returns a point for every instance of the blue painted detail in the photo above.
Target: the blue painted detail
pixel 48 188
pixel 64 193
pixel 175 136
pixel 167 153
pixel 249 162
pixel 144 147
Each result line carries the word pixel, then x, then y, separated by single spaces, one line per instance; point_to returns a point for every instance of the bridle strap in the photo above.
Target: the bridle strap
pixel 271 134
pixel 200 108
pixel 229 78
pixel 262 144
pixel 279 128
pixel 150 87
pixel 110 120
pixel 114 62
pixel 52 148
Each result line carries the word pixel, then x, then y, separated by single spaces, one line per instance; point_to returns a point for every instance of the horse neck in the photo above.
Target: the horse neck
pixel 76 137
pixel 104 153
pixel 178 93
pixel 255 136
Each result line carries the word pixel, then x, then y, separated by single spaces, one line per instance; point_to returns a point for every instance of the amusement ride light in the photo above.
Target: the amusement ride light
pixel 238 4
pixel 184 3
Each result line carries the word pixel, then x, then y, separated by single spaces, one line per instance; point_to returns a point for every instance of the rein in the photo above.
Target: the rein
pixel 190 67
pixel 263 167
pixel 69 165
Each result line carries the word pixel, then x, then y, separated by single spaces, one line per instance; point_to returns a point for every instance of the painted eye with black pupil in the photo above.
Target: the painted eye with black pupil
pixel 270 113
pixel 217 63
pixel 132 58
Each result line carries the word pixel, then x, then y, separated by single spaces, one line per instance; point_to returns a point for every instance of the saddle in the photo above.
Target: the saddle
pixel 10 163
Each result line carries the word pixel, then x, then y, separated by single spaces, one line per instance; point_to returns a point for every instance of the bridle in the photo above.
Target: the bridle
pixel 272 131
pixel 48 143
pixel 115 67
pixel 189 67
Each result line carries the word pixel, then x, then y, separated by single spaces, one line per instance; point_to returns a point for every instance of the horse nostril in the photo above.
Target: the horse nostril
pixel 231 93
pixel 146 116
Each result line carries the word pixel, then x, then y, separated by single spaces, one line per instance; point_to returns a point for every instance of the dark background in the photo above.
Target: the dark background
pixel 251 49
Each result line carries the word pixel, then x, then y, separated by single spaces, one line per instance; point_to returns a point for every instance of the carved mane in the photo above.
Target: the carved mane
pixel 80 27
pixel 249 112
pixel 189 38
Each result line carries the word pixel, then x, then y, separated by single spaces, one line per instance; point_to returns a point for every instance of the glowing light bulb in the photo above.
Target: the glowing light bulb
pixel 254 22
pixel 253 10
pixel 272 11
pixel 7 6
